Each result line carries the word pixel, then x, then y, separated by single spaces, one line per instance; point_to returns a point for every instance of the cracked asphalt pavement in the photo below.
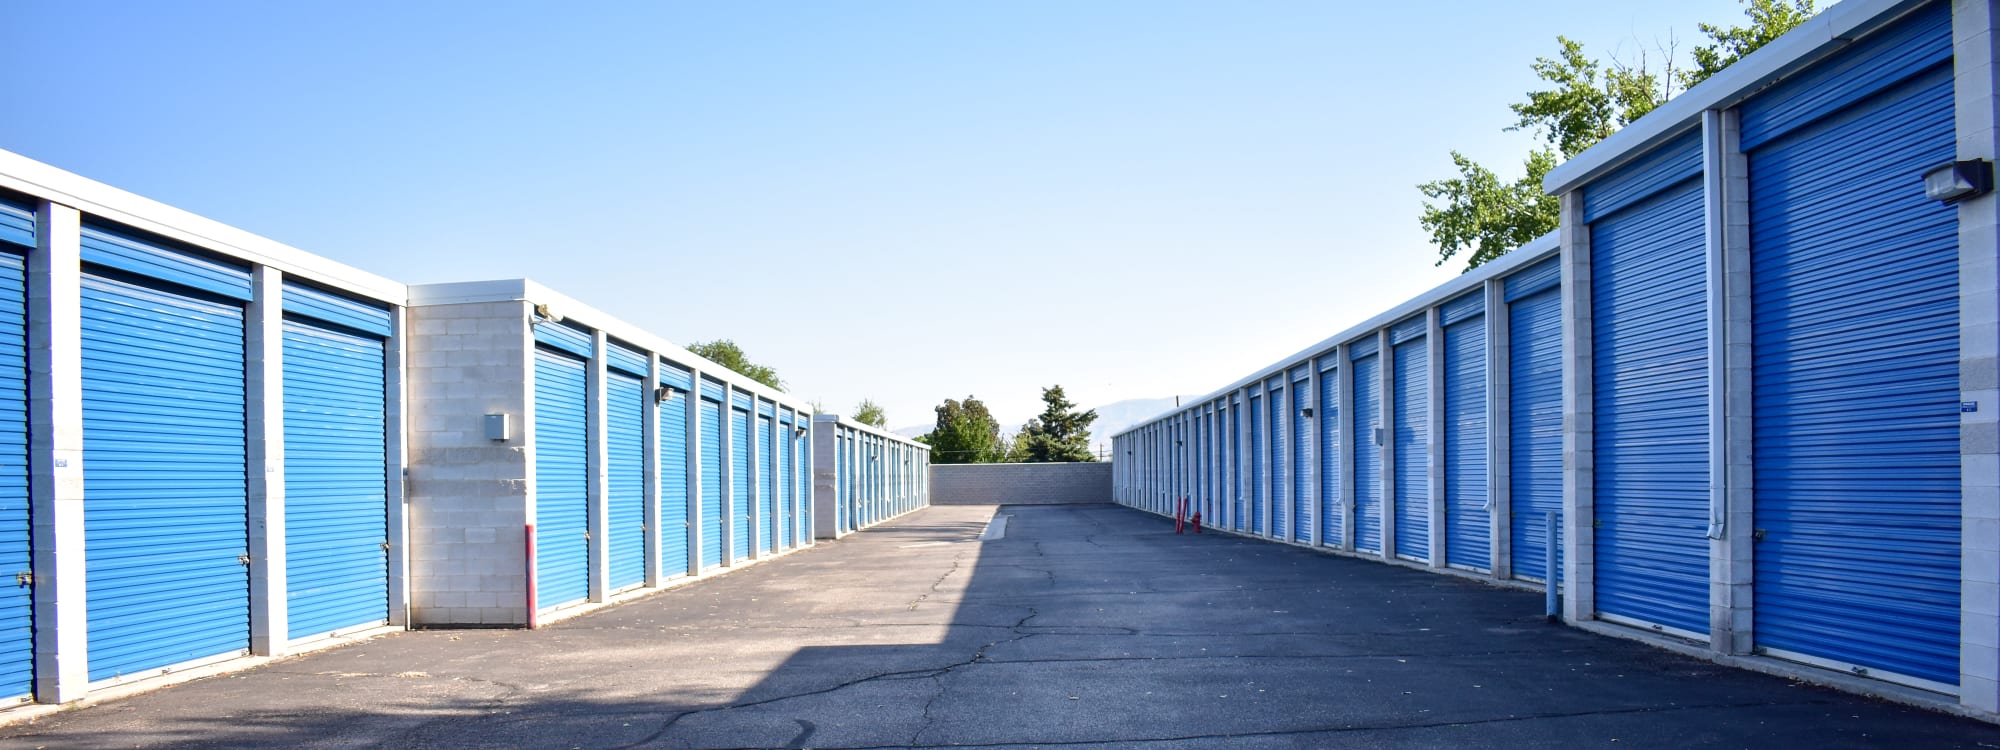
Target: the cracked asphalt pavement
pixel 1086 625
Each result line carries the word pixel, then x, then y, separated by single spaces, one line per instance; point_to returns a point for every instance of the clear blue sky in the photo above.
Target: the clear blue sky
pixel 908 201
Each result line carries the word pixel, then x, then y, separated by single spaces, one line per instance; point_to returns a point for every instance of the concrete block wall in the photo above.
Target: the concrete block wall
pixel 470 497
pixel 1020 484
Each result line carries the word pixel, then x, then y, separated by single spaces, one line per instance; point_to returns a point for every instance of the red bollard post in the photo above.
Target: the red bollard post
pixel 1197 522
pixel 1180 514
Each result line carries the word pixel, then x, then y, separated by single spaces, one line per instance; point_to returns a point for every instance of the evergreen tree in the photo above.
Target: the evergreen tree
pixel 1060 434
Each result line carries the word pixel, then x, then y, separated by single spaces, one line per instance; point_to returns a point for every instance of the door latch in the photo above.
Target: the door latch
pixel 24 579
pixel 243 559
pixel 1757 535
pixel 385 546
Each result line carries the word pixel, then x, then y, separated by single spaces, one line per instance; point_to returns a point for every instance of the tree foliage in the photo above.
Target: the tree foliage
pixel 726 353
pixel 870 413
pixel 1059 434
pixel 966 433
pixel 1481 215
pixel 1769 19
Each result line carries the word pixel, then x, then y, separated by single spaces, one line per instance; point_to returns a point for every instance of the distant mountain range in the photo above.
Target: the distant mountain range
pixel 1112 419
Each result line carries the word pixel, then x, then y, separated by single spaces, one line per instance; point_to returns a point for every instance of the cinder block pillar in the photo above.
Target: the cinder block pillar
pixel 55 454
pixel 265 422
pixel 655 566
pixel 1731 498
pixel 1579 462
pixel 1499 415
pixel 396 479
pixel 1978 126
pixel 599 473
pixel 1385 364
pixel 1434 440
pixel 1350 431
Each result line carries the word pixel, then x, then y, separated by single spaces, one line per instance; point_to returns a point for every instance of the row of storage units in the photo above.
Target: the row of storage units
pixel 867 475
pixel 215 446
pixel 1751 376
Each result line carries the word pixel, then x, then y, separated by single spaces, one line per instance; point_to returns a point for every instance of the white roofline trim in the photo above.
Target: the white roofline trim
pixel 1835 27
pixel 1537 250
pixel 870 429
pixel 512 290
pixel 45 182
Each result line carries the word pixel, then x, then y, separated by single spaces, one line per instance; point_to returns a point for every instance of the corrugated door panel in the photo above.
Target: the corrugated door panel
pixel 1281 513
pixel 739 484
pixel 1534 431
pixel 617 357
pixel 1652 173
pixel 1413 460
pixel 711 390
pixel 336 480
pixel 674 527
pixel 166 521
pixel 1302 468
pixel 1649 290
pixel 1541 276
pixel 565 338
pixel 1368 452
pixel 1911 46
pixel 711 482
pixel 17 604
pixel 1328 413
pixel 317 304
pixel 767 496
pixel 562 489
pixel 142 255
pixel 1856 372
pixel 676 376
pixel 787 490
pixel 625 464
pixel 1466 518
pixel 1256 456
pixel 17 224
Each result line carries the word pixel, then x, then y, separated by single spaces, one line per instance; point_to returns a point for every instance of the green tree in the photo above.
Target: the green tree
pixel 1483 215
pixel 870 413
pixel 726 353
pixel 1769 19
pixel 1059 434
pixel 966 433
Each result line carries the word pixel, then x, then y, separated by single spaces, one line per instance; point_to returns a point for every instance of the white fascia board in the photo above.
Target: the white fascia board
pixel 1541 248
pixel 37 180
pixel 1833 28
pixel 509 290
pixel 870 429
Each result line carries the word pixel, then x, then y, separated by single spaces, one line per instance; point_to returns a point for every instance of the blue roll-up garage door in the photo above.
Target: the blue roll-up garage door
pixel 562 480
pixel 1256 456
pixel 165 529
pixel 788 491
pixel 1413 474
pixel 1367 448
pixel 625 466
pixel 1534 430
pixel 739 480
pixel 1301 450
pixel 17 603
pixel 336 477
pixel 1281 516
pixel 1328 413
pixel 1856 420
pixel 674 527
pixel 1467 520
pixel 1650 384
pixel 711 480
pixel 767 503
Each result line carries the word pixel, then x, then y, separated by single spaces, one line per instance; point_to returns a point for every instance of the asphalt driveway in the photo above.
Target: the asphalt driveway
pixel 1086 625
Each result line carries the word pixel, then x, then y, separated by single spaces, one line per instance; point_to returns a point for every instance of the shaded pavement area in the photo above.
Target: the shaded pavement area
pixel 1086 625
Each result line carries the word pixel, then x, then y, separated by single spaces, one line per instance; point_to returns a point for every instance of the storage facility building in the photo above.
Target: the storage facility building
pixel 1753 375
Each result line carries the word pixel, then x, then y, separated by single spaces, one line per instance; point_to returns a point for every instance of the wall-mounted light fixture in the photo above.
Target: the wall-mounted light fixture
pixel 1959 180
pixel 663 394
pixel 1306 411
pixel 544 313
pixel 801 431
